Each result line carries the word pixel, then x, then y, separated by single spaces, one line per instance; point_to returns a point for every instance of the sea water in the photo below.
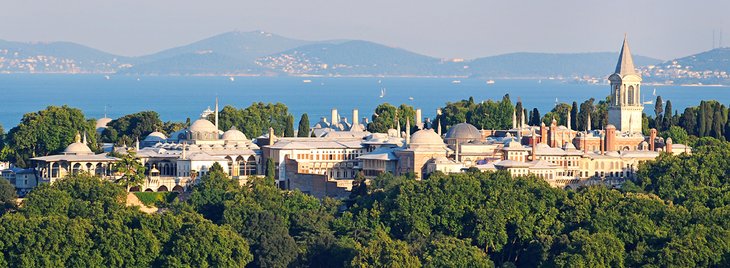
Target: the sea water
pixel 176 98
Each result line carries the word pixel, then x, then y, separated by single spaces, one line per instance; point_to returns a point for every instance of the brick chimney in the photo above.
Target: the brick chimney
pixel 652 138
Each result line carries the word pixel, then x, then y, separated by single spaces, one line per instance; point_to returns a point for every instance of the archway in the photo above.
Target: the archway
pixel 178 189
pixel 162 188
pixel 134 189
pixel 149 190
pixel 251 166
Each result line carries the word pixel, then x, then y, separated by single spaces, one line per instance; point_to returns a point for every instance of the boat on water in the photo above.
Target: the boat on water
pixel 107 77
pixel 382 92
pixel 306 81
pixel 490 82
pixel 456 82
pixel 410 98
pixel 231 78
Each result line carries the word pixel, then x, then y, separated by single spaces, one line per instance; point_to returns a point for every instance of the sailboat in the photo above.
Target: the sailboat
pixel 382 92
pixel 654 94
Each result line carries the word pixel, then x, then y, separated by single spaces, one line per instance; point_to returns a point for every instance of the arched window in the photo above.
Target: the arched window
pixel 251 166
pixel 631 96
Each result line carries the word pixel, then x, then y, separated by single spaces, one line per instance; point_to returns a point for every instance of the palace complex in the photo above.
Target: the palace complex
pixel 327 163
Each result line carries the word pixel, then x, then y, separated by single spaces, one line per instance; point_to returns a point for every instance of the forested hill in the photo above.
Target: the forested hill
pixel 675 214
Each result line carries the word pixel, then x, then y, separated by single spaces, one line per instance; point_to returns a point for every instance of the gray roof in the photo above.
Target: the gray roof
pixel 625 63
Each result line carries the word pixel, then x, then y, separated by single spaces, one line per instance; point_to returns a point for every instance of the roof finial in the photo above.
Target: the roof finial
pixel 77 138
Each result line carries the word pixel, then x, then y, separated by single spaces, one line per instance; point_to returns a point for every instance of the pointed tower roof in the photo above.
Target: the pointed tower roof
pixel 625 63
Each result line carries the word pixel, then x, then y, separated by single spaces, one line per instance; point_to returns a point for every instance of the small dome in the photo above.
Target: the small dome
pixel 610 126
pixel 669 140
pixel 155 136
pixel 513 144
pixel 77 148
pixel 203 125
pixel 426 137
pixel 234 135
pixel 464 131
pixel 102 122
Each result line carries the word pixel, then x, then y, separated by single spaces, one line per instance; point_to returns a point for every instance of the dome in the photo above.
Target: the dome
pixel 669 140
pixel 610 126
pixel 464 131
pixel 102 122
pixel 155 136
pixel 77 148
pixel 203 125
pixel 426 137
pixel 234 135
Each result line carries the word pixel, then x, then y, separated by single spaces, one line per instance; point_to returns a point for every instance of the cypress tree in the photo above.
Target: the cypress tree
pixel 518 110
pixel 688 121
pixel 303 129
pixel 702 119
pixel 270 169
pixel 668 119
pixel 289 128
pixel 717 123
pixel 535 117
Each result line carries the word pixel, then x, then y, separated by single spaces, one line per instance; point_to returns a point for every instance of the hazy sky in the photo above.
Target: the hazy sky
pixel 445 28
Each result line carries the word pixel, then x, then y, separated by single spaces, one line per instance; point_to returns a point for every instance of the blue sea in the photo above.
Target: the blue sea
pixel 179 97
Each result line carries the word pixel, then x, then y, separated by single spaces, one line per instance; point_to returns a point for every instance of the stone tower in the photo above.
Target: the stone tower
pixel 626 107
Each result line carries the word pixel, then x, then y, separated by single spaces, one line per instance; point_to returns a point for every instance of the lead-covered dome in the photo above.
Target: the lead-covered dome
pixel 234 134
pixel 463 131
pixel 426 137
pixel 155 136
pixel 202 125
pixel 78 147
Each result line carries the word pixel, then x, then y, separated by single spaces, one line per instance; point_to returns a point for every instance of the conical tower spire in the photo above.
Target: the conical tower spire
pixel 625 63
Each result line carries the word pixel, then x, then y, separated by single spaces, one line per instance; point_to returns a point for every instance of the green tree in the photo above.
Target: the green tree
pixel 452 252
pixel 128 128
pixel 7 196
pixel 303 129
pixel 383 251
pixel 256 119
pixel 534 117
pixel 204 244
pixel 289 128
pixel 270 169
pixel 209 195
pixel 592 250
pixel 574 116
pixel 47 132
pixel 130 169
pixel 678 134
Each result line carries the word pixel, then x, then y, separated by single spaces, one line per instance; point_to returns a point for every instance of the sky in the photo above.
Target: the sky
pixel 664 29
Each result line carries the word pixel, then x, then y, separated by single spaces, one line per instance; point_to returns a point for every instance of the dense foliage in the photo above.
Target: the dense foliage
pixel 256 119
pixel 47 132
pixel 485 115
pixel 127 129
pixel 675 214
pixel 387 116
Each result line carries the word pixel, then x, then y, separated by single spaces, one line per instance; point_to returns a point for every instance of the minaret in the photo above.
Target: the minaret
pixel 355 117
pixel 84 138
pixel 184 155
pixel 136 145
pixel 419 122
pixel 216 114
pixel 514 119
pixel 588 123
pixel 271 136
pixel 408 130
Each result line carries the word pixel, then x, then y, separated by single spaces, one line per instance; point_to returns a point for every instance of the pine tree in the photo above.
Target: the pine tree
pixel 303 129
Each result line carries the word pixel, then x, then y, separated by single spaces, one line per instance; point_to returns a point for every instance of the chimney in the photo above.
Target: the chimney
pixel 271 136
pixel 419 122
pixel 533 143
pixel 585 143
pixel 514 119
pixel 438 115
pixel 602 143
pixel 543 133
pixel 335 120
pixel 610 138
pixel 355 118
pixel 652 138
pixel 668 145
pixel 553 135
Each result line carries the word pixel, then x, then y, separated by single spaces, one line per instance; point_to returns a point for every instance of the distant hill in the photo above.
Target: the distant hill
pixel 57 57
pixel 535 65
pixel 196 64
pixel 355 58
pixel 709 67
pixel 241 45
